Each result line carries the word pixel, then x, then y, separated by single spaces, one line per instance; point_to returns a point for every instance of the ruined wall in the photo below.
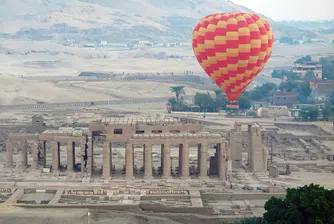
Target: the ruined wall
pixel 240 196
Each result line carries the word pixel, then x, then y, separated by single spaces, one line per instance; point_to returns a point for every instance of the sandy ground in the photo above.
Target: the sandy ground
pixel 22 91
pixel 306 178
pixel 132 89
pixel 14 215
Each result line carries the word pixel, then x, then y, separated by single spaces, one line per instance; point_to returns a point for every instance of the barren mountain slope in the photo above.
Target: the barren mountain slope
pixel 111 20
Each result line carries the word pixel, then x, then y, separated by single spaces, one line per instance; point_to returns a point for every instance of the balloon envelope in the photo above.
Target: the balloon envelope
pixel 232 48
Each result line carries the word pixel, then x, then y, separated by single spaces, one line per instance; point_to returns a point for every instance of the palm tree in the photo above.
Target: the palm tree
pixel 177 90
pixel 218 92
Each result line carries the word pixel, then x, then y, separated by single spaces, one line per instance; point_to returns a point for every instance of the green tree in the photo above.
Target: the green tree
pixel 205 102
pixel 281 73
pixel 178 105
pixel 309 76
pixel 262 92
pixel 288 86
pixel 309 114
pixel 327 112
pixel 303 88
pixel 277 74
pixel 305 205
pixel 222 101
pixel 172 101
pixel 244 102
pixel 177 90
pixel 303 59
pixel 292 76
pixel 328 109
pixel 327 68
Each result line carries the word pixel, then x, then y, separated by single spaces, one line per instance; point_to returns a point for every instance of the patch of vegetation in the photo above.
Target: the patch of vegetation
pixel 327 68
pixel 279 74
pixel 304 205
pixel 303 59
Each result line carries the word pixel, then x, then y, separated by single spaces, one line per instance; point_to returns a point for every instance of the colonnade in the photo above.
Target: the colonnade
pixel 166 167
pixel 39 152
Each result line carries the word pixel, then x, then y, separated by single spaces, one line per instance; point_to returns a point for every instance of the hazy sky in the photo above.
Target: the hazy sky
pixel 291 9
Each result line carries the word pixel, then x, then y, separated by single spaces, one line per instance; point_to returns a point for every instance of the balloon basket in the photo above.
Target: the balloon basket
pixel 232 105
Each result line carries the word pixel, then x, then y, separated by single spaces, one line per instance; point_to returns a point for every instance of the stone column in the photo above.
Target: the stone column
pixel 129 161
pixel 148 161
pixel 204 161
pixel 34 155
pixel 55 155
pixel 110 150
pixel 9 154
pixel 236 142
pixel 70 156
pixel 199 146
pixel 228 162
pixel 90 155
pixel 144 150
pixel 255 149
pixel 166 161
pixel 221 161
pixel 83 155
pixel 24 154
pixel 180 159
pixel 106 160
pixel 162 158
pixel 185 161
pixel 44 153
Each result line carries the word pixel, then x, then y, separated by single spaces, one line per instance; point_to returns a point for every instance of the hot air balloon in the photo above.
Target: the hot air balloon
pixel 232 48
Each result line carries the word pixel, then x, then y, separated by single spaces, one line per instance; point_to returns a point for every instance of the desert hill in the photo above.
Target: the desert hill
pixel 112 20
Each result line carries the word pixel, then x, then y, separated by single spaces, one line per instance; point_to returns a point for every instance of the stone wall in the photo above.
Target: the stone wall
pixel 241 196
pixel 162 208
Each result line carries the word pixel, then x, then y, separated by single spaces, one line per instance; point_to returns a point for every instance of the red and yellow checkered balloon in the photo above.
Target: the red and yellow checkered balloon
pixel 232 48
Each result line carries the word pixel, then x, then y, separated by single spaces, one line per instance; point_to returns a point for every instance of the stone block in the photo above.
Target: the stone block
pixel 195 184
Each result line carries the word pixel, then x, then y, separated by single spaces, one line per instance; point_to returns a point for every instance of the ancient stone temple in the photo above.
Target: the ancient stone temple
pixel 169 136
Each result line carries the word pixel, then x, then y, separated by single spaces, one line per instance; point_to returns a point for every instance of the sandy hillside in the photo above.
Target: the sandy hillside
pixel 20 91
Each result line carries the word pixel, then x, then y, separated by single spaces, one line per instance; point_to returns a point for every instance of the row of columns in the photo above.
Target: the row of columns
pixel 165 160
pixel 129 158
pixel 39 148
